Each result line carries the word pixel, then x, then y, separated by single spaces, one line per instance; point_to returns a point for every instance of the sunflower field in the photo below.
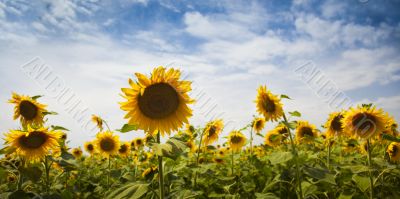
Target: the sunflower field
pixel 355 154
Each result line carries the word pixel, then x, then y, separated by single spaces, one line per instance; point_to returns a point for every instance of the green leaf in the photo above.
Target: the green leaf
pixel 295 114
pixel 280 157
pixel 7 150
pixel 129 191
pixel 285 96
pixel 390 137
pixel 58 128
pixel 320 174
pixel 127 128
pixel 32 173
pixel 362 182
pixel 266 196
pixel 36 97
pixel 66 156
pixel 19 194
pixel 50 113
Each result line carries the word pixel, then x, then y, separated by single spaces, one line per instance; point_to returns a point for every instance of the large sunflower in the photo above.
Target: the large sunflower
pixel 159 102
pixel 107 143
pixel 33 144
pixel 258 124
pixel 124 149
pixel 364 122
pixel 89 147
pixel 236 140
pixel 28 110
pixel 268 104
pixel 334 124
pixel 273 138
pixel 212 131
pixel 394 151
pixel 305 132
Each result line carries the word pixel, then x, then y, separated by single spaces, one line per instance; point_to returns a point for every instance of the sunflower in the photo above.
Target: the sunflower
pixel 236 140
pixel 258 124
pixel 89 147
pixel 11 178
pixel 212 131
pixel 77 153
pixel 148 139
pixel 33 144
pixel 64 136
pixel 218 160
pixel 107 143
pixel 159 102
pixel 350 145
pixel 149 172
pixel 394 151
pixel 305 132
pixel 390 125
pixel 191 145
pixel 364 122
pixel 268 104
pixel 334 124
pixel 273 138
pixel 124 149
pixel 138 143
pixel 98 121
pixel 28 110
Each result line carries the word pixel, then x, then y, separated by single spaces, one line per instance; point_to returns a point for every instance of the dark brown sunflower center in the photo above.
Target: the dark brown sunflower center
pixel 282 131
pixel 212 130
pixel 363 122
pixel 159 101
pixel 394 150
pixel 236 139
pixel 336 124
pixel 258 124
pixel 123 149
pixel 139 142
pixel 90 147
pixel 28 110
pixel 269 105
pixel 107 144
pixel 307 131
pixel 34 140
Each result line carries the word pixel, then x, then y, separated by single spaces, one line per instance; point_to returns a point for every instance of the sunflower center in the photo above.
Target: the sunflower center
pixel 139 142
pixel 394 150
pixel 123 149
pixel 336 124
pixel 211 131
pixel 28 110
pixel 258 124
pixel 363 122
pixel 34 140
pixel 269 105
pixel 282 131
pixel 90 147
pixel 159 101
pixel 307 131
pixel 107 144
pixel 236 139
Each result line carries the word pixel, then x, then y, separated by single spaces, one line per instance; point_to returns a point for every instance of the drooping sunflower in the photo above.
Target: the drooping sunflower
pixel 28 110
pixel 268 105
pixel 258 124
pixel 273 138
pixel 107 143
pixel 98 121
pixel 159 102
pixel 77 152
pixel 124 149
pixel 364 122
pixel 394 151
pixel 33 144
pixel 89 147
pixel 212 131
pixel 236 140
pixel 305 132
pixel 334 124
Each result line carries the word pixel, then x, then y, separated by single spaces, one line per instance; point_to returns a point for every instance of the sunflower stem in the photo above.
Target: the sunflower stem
pixel 47 170
pixel 232 162
pixel 109 171
pixel 160 170
pixel 329 154
pixel 197 158
pixel 251 142
pixel 371 181
pixel 294 151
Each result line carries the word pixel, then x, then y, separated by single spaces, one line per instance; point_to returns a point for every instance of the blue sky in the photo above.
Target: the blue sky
pixel 227 48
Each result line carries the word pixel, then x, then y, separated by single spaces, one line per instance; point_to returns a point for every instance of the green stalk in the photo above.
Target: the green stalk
pixel 371 181
pixel 47 171
pixel 251 141
pixel 109 171
pixel 294 151
pixel 160 170
pixel 329 154
pixel 197 158
pixel 232 162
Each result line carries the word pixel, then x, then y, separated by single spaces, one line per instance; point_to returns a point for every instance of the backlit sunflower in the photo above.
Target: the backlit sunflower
pixel 268 104
pixel 33 144
pixel 28 110
pixel 394 151
pixel 236 140
pixel 334 124
pixel 107 143
pixel 305 132
pixel 98 121
pixel 159 102
pixel 212 131
pixel 273 138
pixel 77 153
pixel 258 124
pixel 89 147
pixel 124 149
pixel 364 122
